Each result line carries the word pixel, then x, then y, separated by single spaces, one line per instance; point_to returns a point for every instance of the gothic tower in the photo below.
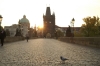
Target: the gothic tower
pixel 49 23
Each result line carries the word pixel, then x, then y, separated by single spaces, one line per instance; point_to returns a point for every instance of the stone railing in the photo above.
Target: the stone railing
pixel 88 41
pixel 13 39
pixel 17 38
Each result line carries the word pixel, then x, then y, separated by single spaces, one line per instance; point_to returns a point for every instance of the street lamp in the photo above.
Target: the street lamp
pixel 0 19
pixel 72 23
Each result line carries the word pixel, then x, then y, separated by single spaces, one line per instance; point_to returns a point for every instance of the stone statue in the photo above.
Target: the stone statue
pixel 68 32
pixel 18 32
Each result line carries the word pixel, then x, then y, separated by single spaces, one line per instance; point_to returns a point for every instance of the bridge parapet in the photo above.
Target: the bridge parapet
pixel 13 39
pixel 88 41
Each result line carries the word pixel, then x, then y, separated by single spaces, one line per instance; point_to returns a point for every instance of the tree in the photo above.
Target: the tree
pixel 59 33
pixel 78 34
pixel 91 26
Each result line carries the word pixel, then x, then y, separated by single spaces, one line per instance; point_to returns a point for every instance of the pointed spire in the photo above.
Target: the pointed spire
pixel 53 13
pixel 19 21
pixel 43 14
pixel 35 27
pixel 48 12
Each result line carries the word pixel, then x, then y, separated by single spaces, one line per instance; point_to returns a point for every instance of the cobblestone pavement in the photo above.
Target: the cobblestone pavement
pixel 47 52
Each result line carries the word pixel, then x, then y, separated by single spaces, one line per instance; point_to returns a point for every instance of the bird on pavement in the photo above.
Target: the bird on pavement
pixel 63 59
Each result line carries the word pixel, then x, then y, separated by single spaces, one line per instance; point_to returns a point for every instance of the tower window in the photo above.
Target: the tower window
pixel 45 22
pixel 49 22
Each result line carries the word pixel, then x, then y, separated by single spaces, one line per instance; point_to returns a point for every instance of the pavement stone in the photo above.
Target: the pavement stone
pixel 47 52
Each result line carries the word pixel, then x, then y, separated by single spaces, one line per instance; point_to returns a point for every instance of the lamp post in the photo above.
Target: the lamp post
pixel 0 19
pixel 0 22
pixel 72 24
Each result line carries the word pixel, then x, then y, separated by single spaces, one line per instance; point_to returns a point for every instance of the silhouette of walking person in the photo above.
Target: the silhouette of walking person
pixel 2 36
pixel 56 35
pixel 27 37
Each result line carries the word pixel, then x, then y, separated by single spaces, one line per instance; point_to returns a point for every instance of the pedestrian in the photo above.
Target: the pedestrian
pixel 56 35
pixel 27 37
pixel 2 36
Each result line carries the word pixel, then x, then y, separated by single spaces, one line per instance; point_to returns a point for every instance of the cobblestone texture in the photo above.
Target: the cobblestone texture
pixel 47 52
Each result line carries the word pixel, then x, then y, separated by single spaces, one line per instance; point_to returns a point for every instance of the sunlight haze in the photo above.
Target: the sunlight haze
pixel 65 10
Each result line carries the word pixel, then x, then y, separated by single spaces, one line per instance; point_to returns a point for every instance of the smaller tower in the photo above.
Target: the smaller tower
pixel 35 27
pixel 35 31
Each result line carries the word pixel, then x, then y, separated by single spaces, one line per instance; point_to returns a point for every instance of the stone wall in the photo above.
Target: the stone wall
pixel 13 39
pixel 88 41
pixel 17 38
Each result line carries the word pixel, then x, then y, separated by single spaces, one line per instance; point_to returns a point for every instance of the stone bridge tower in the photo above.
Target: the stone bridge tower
pixel 49 23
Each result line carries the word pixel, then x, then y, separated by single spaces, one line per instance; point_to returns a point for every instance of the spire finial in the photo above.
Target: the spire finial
pixel 47 5
pixel 24 16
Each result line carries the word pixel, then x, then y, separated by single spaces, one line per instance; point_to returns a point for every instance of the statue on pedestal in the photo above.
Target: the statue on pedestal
pixel 68 32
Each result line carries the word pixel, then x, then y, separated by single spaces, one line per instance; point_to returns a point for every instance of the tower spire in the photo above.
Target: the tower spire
pixel 48 12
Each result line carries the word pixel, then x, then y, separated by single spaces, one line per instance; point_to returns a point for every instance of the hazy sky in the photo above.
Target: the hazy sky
pixel 65 10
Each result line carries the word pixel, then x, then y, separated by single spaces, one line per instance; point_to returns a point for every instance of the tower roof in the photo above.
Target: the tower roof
pixel 48 12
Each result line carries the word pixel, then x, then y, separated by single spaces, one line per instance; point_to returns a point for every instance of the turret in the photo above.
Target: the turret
pixel 48 12
pixel 53 14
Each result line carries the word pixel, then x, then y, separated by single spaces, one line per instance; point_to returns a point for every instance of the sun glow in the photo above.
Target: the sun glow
pixel 40 26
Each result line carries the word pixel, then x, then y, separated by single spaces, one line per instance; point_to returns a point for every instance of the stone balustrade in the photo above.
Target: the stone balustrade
pixel 13 39
pixel 16 38
pixel 88 41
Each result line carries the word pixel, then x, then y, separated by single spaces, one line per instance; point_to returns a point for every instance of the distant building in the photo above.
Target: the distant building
pixel 49 23
pixel 11 29
pixel 63 29
pixel 23 24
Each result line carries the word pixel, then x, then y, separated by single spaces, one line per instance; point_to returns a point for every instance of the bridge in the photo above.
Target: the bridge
pixel 47 52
